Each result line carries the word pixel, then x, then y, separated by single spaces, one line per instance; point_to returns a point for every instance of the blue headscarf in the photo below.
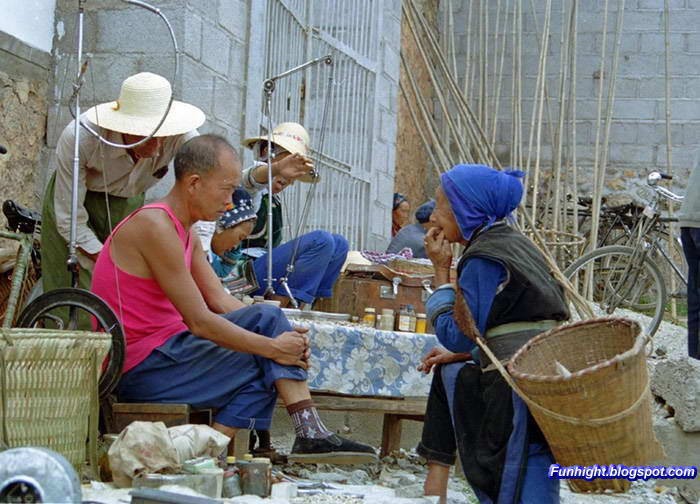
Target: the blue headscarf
pixel 480 196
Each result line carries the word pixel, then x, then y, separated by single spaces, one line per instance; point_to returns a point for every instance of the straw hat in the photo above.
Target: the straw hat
pixel 142 101
pixel 292 137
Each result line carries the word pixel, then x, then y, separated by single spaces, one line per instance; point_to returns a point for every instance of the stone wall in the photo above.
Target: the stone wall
pixel 638 136
pixel 23 112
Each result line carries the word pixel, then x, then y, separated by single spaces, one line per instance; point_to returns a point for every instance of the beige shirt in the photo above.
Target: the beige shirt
pixel 103 169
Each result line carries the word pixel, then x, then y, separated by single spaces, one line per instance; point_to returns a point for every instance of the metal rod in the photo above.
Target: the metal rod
pixel 328 59
pixel 269 290
pixel 72 263
pixel 269 88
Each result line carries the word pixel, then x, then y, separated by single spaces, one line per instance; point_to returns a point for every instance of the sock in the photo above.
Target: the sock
pixel 307 423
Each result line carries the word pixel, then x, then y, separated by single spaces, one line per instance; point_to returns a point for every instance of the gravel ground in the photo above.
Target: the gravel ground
pixel 399 480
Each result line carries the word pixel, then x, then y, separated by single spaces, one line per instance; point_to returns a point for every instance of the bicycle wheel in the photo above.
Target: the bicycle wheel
pixel 621 279
pixel 75 309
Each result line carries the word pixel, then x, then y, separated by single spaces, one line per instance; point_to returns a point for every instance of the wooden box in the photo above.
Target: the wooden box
pixel 377 287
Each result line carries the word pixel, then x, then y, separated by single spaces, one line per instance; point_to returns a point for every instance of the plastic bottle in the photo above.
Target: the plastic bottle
pixel 257 480
pixel 403 321
pixel 421 323
pixel 370 317
pixel 232 479
pixel 378 323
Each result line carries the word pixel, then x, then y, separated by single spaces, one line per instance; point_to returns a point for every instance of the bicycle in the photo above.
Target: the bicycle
pixel 67 308
pixel 628 276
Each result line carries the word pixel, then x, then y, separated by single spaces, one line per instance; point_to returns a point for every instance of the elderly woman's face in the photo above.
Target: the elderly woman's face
pixel 402 213
pixel 443 218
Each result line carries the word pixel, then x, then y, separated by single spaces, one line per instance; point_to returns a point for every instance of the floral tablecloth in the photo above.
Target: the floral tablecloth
pixel 364 361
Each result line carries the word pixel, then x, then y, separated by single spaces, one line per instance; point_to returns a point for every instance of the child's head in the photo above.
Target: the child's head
pixel 235 224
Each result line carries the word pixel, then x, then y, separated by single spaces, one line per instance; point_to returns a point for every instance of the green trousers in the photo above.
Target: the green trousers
pixel 54 248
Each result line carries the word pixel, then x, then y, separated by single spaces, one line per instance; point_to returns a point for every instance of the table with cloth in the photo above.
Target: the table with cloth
pixel 363 361
pixel 357 368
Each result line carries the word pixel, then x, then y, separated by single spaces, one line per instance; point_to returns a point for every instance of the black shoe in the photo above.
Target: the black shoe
pixel 331 450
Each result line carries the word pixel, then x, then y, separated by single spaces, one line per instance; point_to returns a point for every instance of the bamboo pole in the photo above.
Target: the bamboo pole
pixel 559 136
pixel 540 108
pixel 669 147
pixel 497 97
pixel 598 169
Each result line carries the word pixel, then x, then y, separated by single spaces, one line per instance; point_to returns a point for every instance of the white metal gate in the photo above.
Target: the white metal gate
pixel 297 31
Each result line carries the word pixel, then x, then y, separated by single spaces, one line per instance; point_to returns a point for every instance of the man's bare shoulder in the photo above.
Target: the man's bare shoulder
pixel 149 227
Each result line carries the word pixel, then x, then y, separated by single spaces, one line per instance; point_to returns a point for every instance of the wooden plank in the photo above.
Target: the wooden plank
pixel 412 406
pixel 391 435
pixel 166 409
pixel 409 406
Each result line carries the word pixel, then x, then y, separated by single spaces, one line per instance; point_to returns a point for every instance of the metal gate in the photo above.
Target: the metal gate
pixel 295 32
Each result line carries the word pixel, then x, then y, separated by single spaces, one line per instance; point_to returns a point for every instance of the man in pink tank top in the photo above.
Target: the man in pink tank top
pixel 188 340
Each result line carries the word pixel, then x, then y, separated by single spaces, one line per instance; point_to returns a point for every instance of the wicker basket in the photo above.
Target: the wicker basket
pixel 48 381
pixel 601 414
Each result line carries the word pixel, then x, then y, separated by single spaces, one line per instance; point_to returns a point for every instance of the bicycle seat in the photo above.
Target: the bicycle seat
pixel 20 218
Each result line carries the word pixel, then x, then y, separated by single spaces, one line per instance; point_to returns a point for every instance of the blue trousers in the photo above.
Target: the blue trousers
pixel 320 256
pixel 690 237
pixel 196 371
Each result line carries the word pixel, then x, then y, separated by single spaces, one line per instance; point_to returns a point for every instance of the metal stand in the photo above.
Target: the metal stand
pixel 269 88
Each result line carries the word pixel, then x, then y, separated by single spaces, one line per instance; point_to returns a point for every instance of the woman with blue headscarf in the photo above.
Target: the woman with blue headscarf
pixel 505 293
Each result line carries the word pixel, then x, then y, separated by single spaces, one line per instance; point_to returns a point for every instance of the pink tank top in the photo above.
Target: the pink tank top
pixel 149 318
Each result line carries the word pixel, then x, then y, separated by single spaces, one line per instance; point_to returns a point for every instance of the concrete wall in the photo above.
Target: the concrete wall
pixel 385 126
pixel 124 40
pixel 30 21
pixel 24 75
pixel 638 139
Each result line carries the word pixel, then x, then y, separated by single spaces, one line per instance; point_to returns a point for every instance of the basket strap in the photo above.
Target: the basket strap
pixel 592 422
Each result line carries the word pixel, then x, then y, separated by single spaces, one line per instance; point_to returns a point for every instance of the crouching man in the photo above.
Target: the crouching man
pixel 188 341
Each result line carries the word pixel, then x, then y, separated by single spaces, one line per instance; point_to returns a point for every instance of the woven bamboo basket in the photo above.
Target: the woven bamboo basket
pixel 48 385
pixel 601 414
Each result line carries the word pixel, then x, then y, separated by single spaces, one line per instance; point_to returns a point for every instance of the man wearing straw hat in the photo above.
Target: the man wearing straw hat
pixel 112 181
pixel 318 256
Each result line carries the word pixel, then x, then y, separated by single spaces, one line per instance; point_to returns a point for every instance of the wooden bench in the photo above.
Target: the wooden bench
pixel 393 409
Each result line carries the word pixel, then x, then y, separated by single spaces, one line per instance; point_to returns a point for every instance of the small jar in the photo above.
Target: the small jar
pixel 421 323
pixel 403 321
pixel 232 479
pixel 370 317
pixel 387 322
pixel 412 318
pixel 257 480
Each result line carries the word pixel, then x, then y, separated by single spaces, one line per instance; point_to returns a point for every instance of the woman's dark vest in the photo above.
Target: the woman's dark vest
pixel 531 292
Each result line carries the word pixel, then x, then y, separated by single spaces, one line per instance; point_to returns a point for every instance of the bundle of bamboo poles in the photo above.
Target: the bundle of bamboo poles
pixel 473 142
pixel 459 124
